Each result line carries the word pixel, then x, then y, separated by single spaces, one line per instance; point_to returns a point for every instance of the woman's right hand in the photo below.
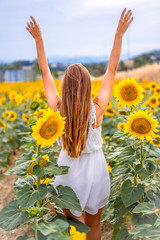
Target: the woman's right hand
pixel 34 29
pixel 124 22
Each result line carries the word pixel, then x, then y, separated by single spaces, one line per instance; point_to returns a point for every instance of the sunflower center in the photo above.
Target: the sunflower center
pixel 12 115
pixel 157 141
pixel 129 93
pixel 109 110
pixel 122 113
pixel 49 128
pixel 153 100
pixel 141 125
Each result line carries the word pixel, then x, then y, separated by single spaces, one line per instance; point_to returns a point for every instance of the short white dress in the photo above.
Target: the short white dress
pixel 88 175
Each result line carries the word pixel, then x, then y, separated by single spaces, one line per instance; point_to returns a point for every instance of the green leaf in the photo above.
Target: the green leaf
pixel 145 208
pixel 139 229
pixel 58 225
pixel 139 218
pixel 11 217
pixel 145 231
pixel 22 164
pixel 81 227
pixel 50 170
pixel 122 168
pixel 119 208
pixel 58 236
pixel 148 169
pixel 24 237
pixel 157 223
pixel 66 198
pixel 123 235
pixel 154 151
pixel 21 181
pixel 53 169
pixel 26 197
pixel 153 197
pixel 131 194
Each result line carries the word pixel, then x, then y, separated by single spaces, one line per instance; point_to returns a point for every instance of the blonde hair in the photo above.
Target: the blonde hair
pixel 76 106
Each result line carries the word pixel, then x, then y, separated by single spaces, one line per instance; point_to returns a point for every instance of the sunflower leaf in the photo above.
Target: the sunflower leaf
pixel 66 198
pixel 26 197
pixel 148 169
pixel 131 194
pixel 53 169
pixel 11 217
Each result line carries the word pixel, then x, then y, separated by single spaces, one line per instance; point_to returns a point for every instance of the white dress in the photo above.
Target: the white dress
pixel 88 175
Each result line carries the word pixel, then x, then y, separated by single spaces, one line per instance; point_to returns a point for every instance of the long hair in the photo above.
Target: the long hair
pixel 76 106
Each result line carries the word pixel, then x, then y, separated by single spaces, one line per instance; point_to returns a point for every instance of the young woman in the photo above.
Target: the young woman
pixel 81 144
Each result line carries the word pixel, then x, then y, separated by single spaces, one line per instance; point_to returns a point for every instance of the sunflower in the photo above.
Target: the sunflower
pixel 109 111
pixel 3 100
pixel 25 117
pixel 128 92
pixel 43 163
pixel 2 124
pixel 122 113
pixel 76 235
pixel 12 115
pixel 156 141
pixel 141 124
pixel 48 128
pixel 109 167
pixel 146 104
pixel 44 160
pixel 157 90
pixel 120 125
pixel 153 101
pixel 153 85
pixel 34 105
pixel 109 104
pixel 144 92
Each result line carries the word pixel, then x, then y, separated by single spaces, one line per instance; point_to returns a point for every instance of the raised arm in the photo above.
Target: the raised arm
pixel 49 86
pixel 104 94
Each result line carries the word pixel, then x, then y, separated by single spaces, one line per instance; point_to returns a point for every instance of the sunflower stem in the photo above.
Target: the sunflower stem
pixel 38 178
pixel 135 179
pixel 141 153
pixel 36 233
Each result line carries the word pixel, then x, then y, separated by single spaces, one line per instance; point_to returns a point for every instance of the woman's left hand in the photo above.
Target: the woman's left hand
pixel 34 29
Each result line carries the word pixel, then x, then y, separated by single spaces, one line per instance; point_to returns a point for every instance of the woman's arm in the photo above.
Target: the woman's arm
pixel 103 96
pixel 48 81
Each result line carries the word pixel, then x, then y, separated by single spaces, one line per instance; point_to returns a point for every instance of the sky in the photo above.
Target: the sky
pixel 72 28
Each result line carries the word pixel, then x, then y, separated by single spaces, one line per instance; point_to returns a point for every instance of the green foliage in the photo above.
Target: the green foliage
pixel 133 169
pixel 11 217
pixel 33 197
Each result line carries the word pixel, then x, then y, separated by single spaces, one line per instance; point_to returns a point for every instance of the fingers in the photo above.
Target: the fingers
pixel 130 20
pixel 33 20
pixel 122 15
pixel 28 25
pixel 28 29
pixel 127 15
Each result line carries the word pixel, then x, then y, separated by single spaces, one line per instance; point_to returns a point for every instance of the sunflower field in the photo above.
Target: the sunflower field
pixel 131 145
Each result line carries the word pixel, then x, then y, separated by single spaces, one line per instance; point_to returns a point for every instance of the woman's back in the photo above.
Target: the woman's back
pixel 94 140
pixel 88 175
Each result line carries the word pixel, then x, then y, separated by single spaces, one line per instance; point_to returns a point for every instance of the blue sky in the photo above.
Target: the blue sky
pixel 74 28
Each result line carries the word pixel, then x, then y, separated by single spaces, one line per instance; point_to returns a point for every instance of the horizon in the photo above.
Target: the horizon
pixel 74 57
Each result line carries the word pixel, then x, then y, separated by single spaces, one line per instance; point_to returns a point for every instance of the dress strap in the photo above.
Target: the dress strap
pixel 93 115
